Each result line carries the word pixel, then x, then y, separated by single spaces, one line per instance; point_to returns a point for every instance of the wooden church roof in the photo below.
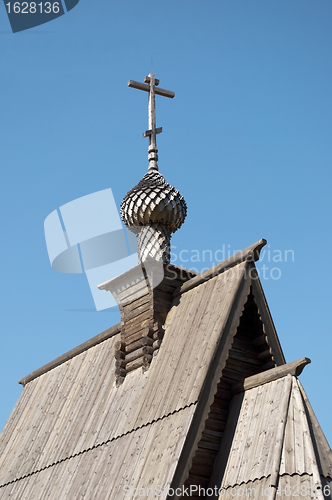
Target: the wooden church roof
pixel 195 418
pixel 273 442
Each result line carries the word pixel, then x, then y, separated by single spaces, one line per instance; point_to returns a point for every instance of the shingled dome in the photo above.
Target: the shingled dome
pixel 153 201
pixel 153 210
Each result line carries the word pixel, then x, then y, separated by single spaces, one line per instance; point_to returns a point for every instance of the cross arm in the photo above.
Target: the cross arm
pixel 149 132
pixel 144 86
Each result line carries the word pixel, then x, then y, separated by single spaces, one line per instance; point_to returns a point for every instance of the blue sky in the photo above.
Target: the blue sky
pixel 247 141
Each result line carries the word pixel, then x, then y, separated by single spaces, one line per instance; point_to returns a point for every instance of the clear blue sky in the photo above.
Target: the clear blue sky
pixel 247 141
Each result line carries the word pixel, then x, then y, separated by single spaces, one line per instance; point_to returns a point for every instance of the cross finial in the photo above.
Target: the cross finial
pixel 150 86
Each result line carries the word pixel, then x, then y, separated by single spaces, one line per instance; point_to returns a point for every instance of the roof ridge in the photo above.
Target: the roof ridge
pixel 97 339
pixel 251 254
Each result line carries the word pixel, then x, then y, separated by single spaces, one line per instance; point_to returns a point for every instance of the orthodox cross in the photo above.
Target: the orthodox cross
pixel 150 86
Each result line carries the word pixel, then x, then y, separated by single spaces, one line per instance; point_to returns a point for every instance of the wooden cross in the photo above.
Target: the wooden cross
pixel 150 86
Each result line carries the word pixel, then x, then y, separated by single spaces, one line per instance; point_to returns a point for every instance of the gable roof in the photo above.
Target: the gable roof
pixel 73 431
pixel 273 441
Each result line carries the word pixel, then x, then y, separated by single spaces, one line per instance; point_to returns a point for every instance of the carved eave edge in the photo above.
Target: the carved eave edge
pixel 127 279
pixel 269 329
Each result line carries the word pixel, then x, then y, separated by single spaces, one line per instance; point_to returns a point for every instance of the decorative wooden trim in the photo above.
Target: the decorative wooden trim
pixel 264 312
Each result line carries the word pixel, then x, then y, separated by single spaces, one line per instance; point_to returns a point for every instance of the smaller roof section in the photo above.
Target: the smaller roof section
pixel 274 445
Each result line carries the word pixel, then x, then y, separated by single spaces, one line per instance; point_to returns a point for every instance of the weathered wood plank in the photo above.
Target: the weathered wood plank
pixel 294 368
pixel 265 354
pixel 130 314
pixel 120 363
pixel 241 369
pixel 119 354
pixel 261 340
pixel 237 355
pixel 146 88
pixel 138 333
pixel 207 445
pixel 137 319
pixel 137 363
pixel 119 345
pixel 211 434
pixel 135 303
pixel 138 353
pixel 120 371
pixel 138 344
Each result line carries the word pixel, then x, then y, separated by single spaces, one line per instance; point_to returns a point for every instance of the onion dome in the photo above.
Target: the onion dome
pixel 153 210
pixel 153 201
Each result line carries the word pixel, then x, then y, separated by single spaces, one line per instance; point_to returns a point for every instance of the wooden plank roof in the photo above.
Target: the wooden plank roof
pixel 135 460
pixel 74 407
pixel 74 433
